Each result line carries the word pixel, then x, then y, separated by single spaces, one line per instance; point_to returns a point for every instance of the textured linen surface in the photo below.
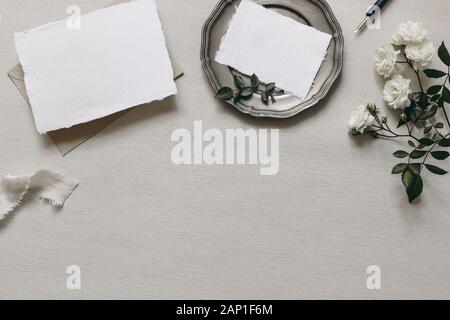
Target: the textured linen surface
pixel 47 185
pixel 141 227
pixel 117 59
pixel 275 47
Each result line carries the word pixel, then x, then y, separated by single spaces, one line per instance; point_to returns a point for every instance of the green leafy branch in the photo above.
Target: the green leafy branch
pixel 420 116
pixel 245 92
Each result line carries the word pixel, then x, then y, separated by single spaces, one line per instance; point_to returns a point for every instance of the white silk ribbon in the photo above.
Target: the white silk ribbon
pixel 45 184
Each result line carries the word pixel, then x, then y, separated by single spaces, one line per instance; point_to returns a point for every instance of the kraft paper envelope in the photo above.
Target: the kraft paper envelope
pixel 67 140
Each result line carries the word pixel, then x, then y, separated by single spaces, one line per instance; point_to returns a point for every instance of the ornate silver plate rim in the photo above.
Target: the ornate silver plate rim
pixel 326 86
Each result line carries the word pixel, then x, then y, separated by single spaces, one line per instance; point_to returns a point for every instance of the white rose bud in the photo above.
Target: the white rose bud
pixel 421 54
pixel 396 92
pixel 403 117
pixel 360 120
pixel 385 60
pixel 410 33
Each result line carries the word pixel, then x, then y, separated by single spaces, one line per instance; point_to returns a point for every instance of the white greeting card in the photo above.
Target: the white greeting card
pixel 117 59
pixel 274 47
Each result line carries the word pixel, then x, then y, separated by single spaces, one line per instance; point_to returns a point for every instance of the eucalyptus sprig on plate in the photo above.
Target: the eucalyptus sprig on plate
pixel 423 120
pixel 245 92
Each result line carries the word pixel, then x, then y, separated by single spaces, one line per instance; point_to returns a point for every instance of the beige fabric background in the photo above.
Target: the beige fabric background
pixel 141 227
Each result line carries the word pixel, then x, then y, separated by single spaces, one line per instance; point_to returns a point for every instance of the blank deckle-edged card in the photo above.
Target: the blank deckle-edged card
pixel 102 92
pixel 66 140
pixel 117 59
pixel 274 47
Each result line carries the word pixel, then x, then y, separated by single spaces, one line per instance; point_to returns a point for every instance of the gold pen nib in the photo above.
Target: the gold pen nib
pixel 362 25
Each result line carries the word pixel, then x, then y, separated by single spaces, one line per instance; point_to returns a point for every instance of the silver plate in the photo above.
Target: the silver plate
pixel 315 13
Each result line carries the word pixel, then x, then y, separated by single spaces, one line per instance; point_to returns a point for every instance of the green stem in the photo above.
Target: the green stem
pixel 409 128
pixel 433 124
pixel 382 135
pixel 446 116
pixel 394 135
pixel 420 81
pixel 426 156
pixel 429 152
pixel 417 74
pixel 443 107
pixel 409 135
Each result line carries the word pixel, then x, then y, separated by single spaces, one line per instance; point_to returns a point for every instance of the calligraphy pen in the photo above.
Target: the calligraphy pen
pixel 376 8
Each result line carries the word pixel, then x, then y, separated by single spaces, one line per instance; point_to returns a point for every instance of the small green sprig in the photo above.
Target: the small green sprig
pixel 245 92
pixel 420 117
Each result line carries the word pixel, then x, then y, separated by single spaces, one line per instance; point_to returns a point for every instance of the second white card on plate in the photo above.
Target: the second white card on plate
pixel 117 59
pixel 276 48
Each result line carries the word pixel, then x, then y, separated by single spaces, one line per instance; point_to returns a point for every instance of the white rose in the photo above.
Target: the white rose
pixel 361 119
pixel 410 33
pixel 385 60
pixel 421 54
pixel 396 92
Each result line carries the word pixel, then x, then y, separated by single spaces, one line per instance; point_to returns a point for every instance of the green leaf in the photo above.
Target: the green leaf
pixel 435 170
pixel 420 147
pixel 246 93
pixel 265 98
pixel 427 129
pixel 408 111
pixel 270 87
pixel 401 154
pixel 237 97
pixel 441 102
pixel 224 94
pixel 272 98
pixel 417 154
pixel 434 90
pixel 423 101
pixel 439 125
pixel 426 142
pixel 424 116
pixel 433 110
pixel 445 143
pixel 444 55
pixel 239 82
pixel 399 168
pixel 255 81
pixel 415 114
pixel 435 98
pixel 433 73
pixel 411 144
pixel 446 95
pixel 429 114
pixel 401 122
pixel 415 167
pixel 440 155
pixel 407 178
pixel 414 186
